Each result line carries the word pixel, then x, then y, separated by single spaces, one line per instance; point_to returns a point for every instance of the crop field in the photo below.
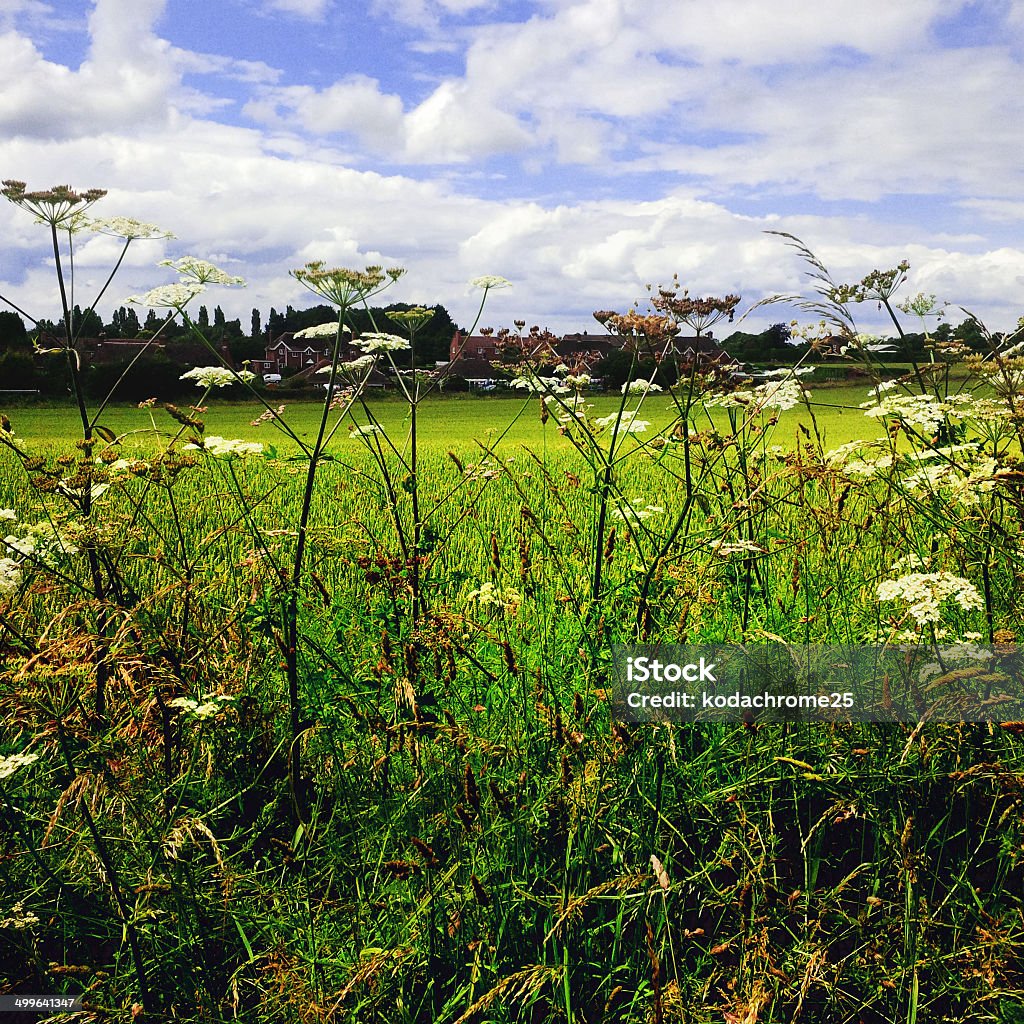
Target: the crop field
pixel 314 719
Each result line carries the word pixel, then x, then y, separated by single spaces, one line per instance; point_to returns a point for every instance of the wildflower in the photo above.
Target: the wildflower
pixel 9 514
pixel 489 281
pixel 624 423
pixel 411 319
pixel 634 514
pixel 19 920
pixel 353 367
pixel 381 343
pixel 10 764
pixel 924 593
pixel 924 411
pixel 191 268
pixel 217 376
pixel 267 415
pixel 342 286
pixel 782 394
pixel 737 547
pixel 577 381
pixel 59 206
pixel 370 428
pixel 10 575
pixel 640 387
pixel 125 227
pixel 327 330
pixel 921 305
pixel 168 296
pixel 224 448
pixel 490 596
pixel 210 705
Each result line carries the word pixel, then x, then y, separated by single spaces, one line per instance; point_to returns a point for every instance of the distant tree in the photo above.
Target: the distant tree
pixel 203 319
pixel 17 370
pixel 218 317
pixel 256 330
pixel 13 335
pixel 972 334
pixel 275 323
pixel 153 322
pixel 87 324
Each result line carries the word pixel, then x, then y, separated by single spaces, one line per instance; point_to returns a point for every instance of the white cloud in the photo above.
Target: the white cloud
pixel 311 9
pixel 617 86
pixel 126 77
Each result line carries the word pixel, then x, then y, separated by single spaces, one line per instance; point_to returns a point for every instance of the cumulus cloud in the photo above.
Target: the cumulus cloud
pixel 126 77
pixel 670 116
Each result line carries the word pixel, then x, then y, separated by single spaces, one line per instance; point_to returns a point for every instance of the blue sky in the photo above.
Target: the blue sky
pixel 580 148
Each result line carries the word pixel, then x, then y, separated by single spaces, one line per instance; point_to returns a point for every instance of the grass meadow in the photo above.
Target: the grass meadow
pixel 311 720
pixel 477 832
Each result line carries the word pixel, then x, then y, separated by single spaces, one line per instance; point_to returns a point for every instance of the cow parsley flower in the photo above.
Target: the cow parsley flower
pixel 10 764
pixel 490 281
pixel 328 330
pixel 125 227
pixel 168 296
pixel 10 575
pixel 624 423
pixel 210 706
pixel 19 919
pixel 353 367
pixel 191 268
pixel 736 547
pixel 488 595
pixel 640 387
pixel 925 592
pixel 94 490
pixel 633 514
pixel 381 343
pixel 342 286
pixel 217 376
pixel 222 447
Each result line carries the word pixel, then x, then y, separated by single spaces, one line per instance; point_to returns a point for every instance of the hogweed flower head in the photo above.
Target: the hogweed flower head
pixel 412 319
pixel 125 227
pixel 371 343
pixel 60 206
pixel 489 282
pixel 191 268
pixel 168 296
pixel 10 764
pixel 222 447
pixel 924 593
pixel 342 286
pixel 639 387
pixel 327 330
pixel 489 595
pixel 217 376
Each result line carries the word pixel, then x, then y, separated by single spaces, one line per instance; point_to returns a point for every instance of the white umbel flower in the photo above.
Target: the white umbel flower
pixel 217 376
pixel 925 592
pixel 328 330
pixel 370 343
pixel 168 296
pixel 223 447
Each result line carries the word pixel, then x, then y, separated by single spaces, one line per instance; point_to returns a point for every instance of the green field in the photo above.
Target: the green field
pixel 459 421
pixel 387 785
